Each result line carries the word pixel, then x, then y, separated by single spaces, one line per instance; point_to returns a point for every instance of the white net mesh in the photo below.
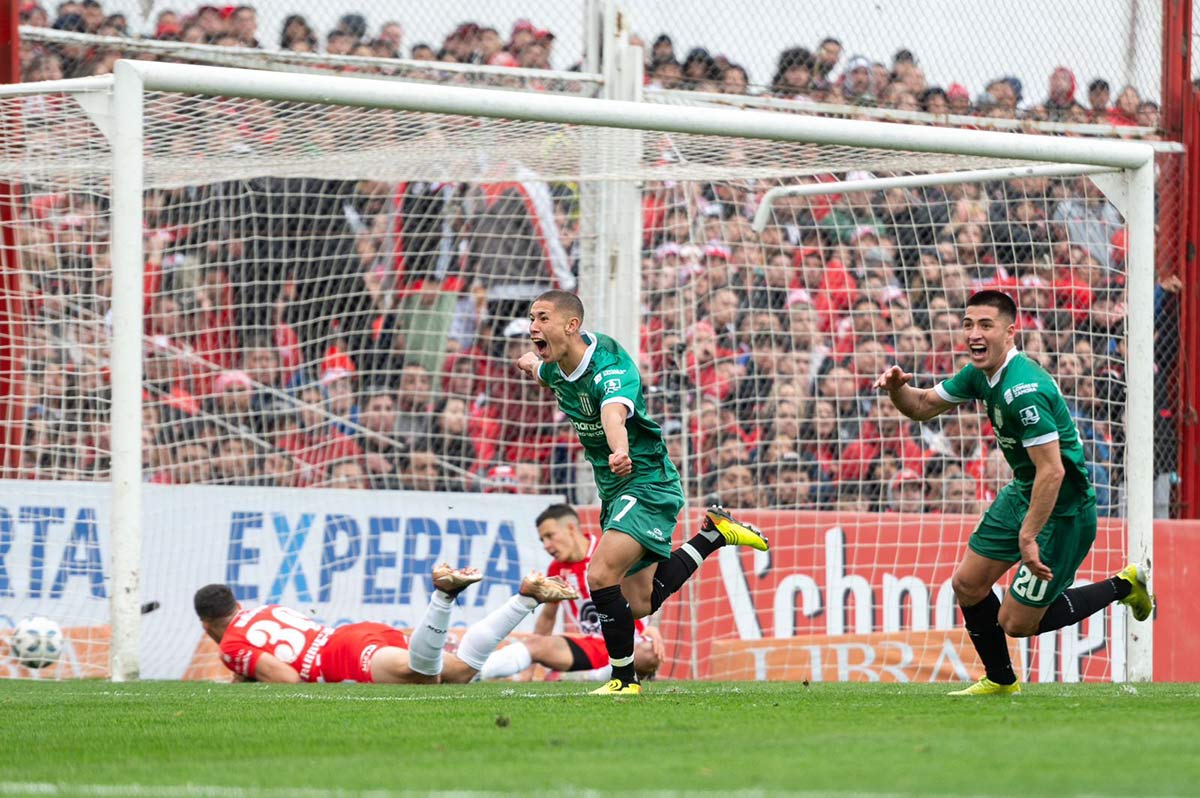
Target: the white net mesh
pixel 93 54
pixel 763 350
pixel 334 298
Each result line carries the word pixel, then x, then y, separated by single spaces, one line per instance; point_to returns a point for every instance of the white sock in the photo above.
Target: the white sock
pixel 429 636
pixel 481 638
pixel 507 661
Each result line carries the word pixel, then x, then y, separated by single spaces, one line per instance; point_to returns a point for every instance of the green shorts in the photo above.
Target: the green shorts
pixel 647 513
pixel 1062 544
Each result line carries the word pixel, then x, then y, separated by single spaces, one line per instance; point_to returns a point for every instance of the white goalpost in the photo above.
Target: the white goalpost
pixel 329 142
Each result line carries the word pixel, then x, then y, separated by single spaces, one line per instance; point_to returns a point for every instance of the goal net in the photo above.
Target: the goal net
pixel 334 276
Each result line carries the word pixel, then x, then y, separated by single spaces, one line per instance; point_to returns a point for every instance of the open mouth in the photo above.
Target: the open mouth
pixel 540 345
pixel 978 350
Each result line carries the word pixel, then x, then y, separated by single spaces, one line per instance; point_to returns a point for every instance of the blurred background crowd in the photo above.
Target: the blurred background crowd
pixel 360 334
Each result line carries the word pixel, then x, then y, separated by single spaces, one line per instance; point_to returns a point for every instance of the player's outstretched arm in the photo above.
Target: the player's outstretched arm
pixel 272 669
pixel 916 403
pixel 529 363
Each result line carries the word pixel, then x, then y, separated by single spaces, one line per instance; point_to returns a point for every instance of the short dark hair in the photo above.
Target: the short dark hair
pixel 214 601
pixel 1099 84
pixel 556 512
pixel 999 300
pixel 564 301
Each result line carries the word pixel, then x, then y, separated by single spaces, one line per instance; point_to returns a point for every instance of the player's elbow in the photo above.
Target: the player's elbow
pixel 1052 474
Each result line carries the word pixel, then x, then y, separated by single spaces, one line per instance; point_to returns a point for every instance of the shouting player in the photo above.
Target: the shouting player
pixel 632 570
pixel 277 644
pixel 1045 519
pixel 558 529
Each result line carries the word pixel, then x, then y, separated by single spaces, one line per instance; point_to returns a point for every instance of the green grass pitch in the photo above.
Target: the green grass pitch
pixel 201 740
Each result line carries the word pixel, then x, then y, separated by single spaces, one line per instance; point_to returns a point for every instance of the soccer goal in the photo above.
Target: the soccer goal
pixel 242 295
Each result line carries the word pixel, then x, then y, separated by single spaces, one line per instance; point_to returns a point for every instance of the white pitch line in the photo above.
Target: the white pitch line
pixel 64 790
pixel 39 789
pixel 433 694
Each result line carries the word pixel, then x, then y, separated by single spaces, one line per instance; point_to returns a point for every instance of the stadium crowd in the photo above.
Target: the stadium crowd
pixel 360 334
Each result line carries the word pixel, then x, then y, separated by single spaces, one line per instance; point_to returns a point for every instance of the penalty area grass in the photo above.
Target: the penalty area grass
pixel 196 740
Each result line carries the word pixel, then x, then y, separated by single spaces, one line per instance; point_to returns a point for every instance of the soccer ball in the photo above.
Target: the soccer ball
pixel 37 642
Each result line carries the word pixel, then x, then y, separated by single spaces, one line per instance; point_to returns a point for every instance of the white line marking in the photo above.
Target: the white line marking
pixel 15 788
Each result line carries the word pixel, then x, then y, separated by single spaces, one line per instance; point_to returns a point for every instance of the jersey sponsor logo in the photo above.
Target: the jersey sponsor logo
pixel 608 373
pixel 591 429
pixel 585 403
pixel 611 386
pixel 1030 416
pixel 1006 442
pixel 1019 390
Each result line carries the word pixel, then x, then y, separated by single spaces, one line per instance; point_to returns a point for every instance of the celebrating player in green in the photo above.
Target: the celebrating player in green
pixel 633 569
pixel 1045 518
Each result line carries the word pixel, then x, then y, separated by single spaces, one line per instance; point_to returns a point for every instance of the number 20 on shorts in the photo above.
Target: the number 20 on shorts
pixel 1029 587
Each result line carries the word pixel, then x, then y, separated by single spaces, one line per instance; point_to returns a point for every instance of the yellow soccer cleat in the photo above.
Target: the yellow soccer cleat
pixel 986 686
pixel 735 532
pixel 1140 600
pixel 618 687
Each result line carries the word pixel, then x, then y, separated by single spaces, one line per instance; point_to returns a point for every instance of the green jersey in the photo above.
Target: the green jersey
pixel 606 375
pixel 1026 409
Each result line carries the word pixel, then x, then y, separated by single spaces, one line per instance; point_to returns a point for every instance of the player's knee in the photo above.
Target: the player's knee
pixel 967 592
pixel 1015 626
pixel 537 646
pixel 600 575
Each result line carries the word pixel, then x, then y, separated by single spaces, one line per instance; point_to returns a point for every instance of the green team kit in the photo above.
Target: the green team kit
pixel 646 503
pixel 1027 409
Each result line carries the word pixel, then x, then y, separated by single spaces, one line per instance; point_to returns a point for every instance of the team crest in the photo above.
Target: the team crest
pixel 997 417
pixel 585 403
pixel 612 386
pixel 1030 416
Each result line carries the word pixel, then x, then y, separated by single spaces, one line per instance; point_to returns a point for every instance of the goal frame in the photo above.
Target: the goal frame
pixel 1131 186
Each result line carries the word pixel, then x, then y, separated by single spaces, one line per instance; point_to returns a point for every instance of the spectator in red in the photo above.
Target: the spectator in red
pixel 710 369
pixel 959 100
pixel 1124 112
pixel 338 384
pixel 316 441
pixel 1061 97
pixel 906 493
pixel 1035 300
pixel 233 395
pixel 832 289
pixel 885 433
